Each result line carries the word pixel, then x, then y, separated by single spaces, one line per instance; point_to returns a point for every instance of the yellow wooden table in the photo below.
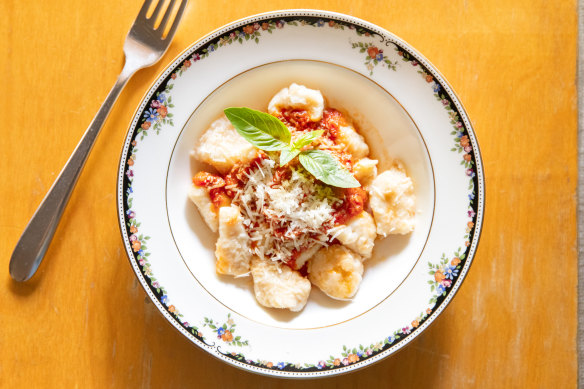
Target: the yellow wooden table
pixel 84 321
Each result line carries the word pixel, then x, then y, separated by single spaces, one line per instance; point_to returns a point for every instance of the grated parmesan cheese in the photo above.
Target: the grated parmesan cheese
pixel 286 218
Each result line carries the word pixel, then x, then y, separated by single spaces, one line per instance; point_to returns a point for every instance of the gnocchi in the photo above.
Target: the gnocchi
pixel 282 226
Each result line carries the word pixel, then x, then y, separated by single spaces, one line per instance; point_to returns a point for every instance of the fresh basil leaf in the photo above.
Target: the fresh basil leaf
pixel 307 139
pixel 260 129
pixel 327 168
pixel 288 154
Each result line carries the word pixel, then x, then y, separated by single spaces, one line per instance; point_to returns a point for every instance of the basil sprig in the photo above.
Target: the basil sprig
pixel 267 133
pixel 290 152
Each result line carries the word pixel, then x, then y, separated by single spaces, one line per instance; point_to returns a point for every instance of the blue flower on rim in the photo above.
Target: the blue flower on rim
pixel 360 353
pixel 281 365
pixel 164 299
pixel 320 23
pixel 129 190
pixel 471 196
pixel 379 57
pixel 436 88
pixel 140 252
pixel 151 115
pixel 220 331
pixel 450 272
pixel 161 98
pixel 441 289
pixel 390 339
pixel 211 47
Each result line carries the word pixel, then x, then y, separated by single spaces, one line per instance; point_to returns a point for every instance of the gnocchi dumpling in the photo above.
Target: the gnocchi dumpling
pixel 232 250
pixel 278 286
pixel 365 170
pixel 337 271
pixel 222 147
pixel 359 234
pixel 201 198
pixel 393 202
pixel 354 142
pixel 298 97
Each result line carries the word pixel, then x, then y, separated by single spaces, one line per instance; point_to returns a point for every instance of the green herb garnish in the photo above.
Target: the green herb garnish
pixel 260 129
pixel 267 133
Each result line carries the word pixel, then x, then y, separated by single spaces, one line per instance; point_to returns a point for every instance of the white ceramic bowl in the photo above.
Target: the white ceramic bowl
pixel 404 108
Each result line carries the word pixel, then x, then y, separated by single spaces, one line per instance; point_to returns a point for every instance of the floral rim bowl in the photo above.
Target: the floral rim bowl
pixel 404 108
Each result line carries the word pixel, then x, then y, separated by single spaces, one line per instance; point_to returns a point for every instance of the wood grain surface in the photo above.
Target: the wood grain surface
pixel 84 321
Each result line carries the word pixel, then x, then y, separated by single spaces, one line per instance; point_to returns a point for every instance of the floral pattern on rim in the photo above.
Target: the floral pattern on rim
pixel 461 139
pixel 253 32
pixel 157 114
pixel 375 56
pixel 139 247
pixel 444 273
pixel 250 32
pixel 225 331
pixel 447 272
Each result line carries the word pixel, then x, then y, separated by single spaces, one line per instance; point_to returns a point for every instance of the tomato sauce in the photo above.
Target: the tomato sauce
pixel 291 263
pixel 353 204
pixel 216 186
pixel 280 174
pixel 331 122
pixel 299 119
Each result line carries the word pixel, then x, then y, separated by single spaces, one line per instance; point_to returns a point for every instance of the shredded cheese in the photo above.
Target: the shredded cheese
pixel 286 218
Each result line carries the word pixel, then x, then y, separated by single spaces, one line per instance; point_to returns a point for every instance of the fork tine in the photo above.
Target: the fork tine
pixel 144 10
pixel 176 20
pixel 167 14
pixel 156 11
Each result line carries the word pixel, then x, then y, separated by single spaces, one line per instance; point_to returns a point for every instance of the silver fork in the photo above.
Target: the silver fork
pixel 144 46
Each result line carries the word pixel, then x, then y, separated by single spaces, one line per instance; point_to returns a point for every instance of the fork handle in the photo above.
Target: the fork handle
pixel 35 240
